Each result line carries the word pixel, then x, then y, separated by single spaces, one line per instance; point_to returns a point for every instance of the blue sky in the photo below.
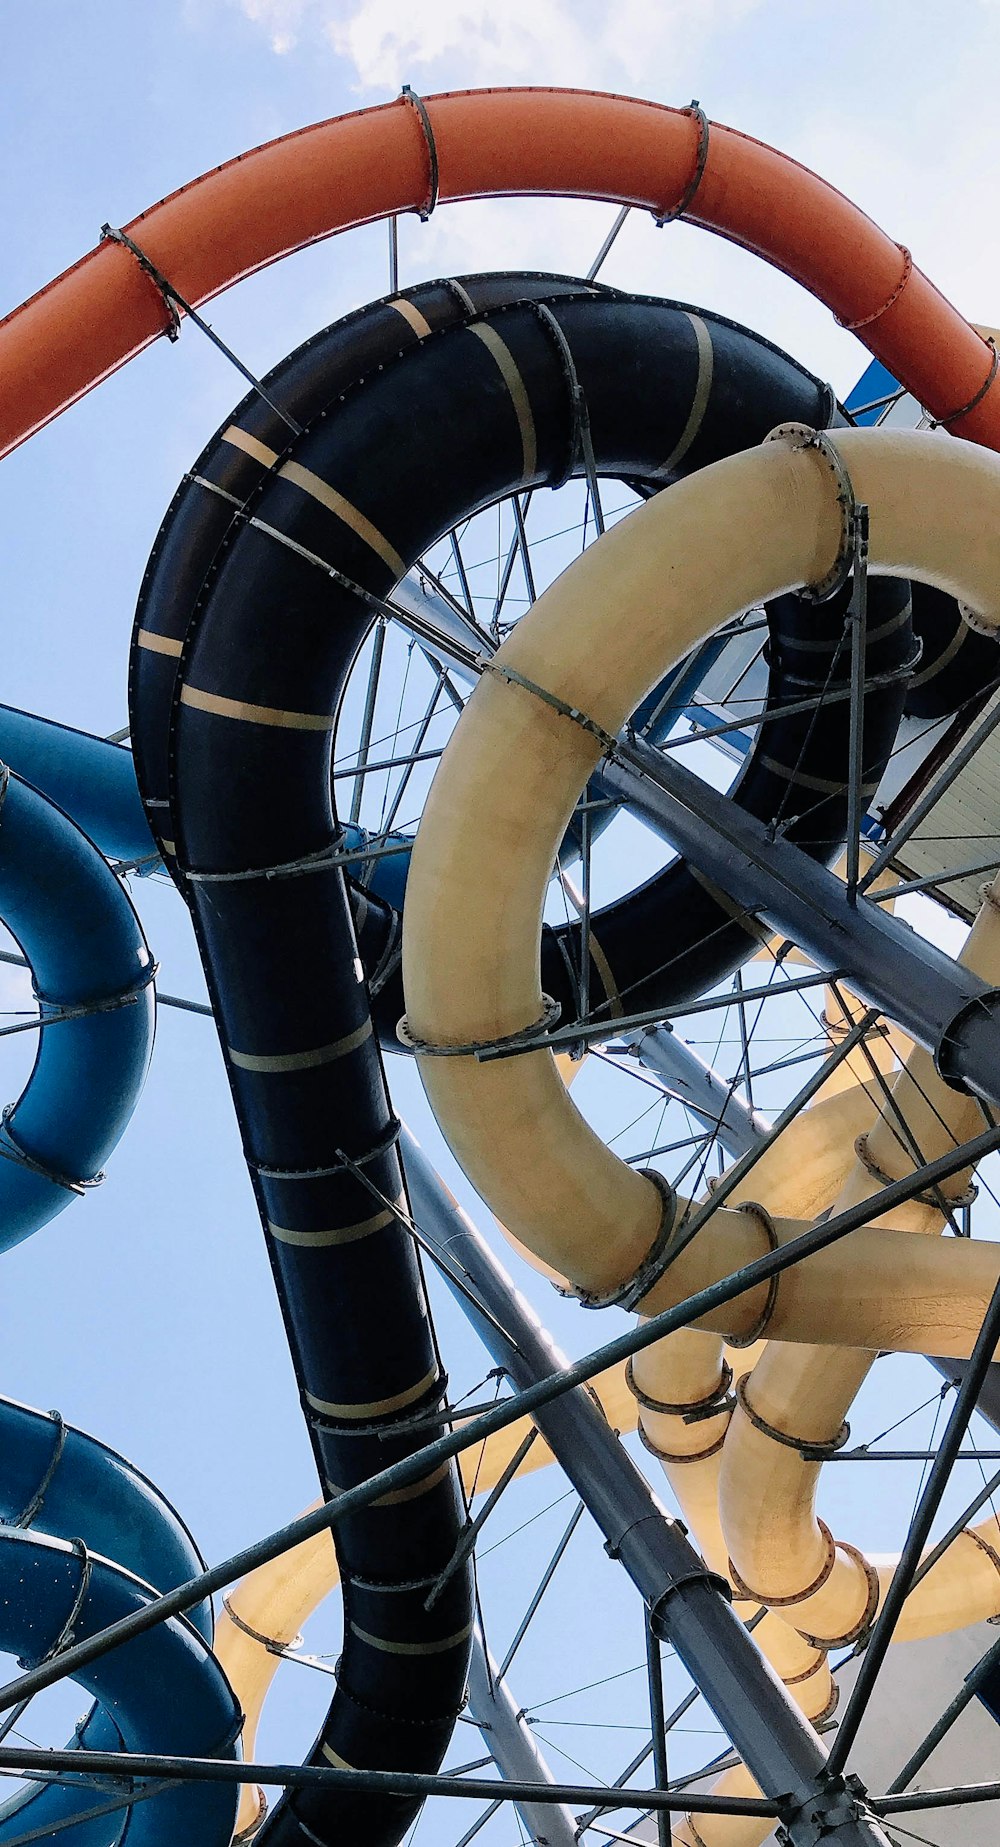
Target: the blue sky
pixel 146 1312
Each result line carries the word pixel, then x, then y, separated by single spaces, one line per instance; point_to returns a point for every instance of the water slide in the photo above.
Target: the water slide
pixel 110 305
pixel 566 1196
pixel 57 1484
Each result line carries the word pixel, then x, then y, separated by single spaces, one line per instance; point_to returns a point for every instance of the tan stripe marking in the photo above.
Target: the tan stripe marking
pixel 242 439
pixel 411 314
pixel 274 1062
pixel 332 1757
pixel 378 1406
pixel 610 985
pixel 702 392
pixel 320 490
pixel 411 1493
pixel 819 783
pixel 169 846
pixel 159 644
pixel 947 654
pixel 440 1647
pixel 338 1234
pixel 255 714
pixel 500 351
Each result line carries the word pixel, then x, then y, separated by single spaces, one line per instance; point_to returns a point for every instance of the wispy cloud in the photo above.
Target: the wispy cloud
pixel 589 42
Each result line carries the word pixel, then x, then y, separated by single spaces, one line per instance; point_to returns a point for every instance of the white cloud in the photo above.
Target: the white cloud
pixel 502 41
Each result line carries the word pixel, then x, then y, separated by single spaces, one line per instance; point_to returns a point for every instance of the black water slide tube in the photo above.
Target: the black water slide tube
pixel 416 416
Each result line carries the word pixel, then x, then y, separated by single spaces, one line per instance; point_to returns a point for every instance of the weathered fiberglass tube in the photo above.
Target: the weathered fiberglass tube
pixel 59 1481
pixel 595 642
pixel 93 977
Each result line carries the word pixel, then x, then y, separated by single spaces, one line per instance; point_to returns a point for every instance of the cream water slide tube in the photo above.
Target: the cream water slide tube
pixel 774 519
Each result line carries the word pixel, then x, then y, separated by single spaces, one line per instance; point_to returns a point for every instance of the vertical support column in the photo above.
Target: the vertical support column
pixel 507 1734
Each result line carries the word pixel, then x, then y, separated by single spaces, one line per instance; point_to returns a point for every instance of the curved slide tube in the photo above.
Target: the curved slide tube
pixel 464 1093
pixel 273 1603
pixel 668 389
pixel 88 777
pixel 89 960
pixel 474 144
pixel 165 1691
pixel 94 782
pixel 579 1207
pixel 62 1482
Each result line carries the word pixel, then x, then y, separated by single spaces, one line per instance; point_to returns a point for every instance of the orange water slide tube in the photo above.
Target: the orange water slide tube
pixel 404 156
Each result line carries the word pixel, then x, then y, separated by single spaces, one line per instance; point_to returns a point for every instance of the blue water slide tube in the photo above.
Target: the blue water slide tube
pixel 162 1692
pixel 88 777
pixel 94 781
pixel 93 975
pixel 59 1480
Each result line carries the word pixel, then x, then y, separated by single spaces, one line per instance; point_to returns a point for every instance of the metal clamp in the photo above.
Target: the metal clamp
pixel 865 320
pixel 165 290
pixel 859 1633
pixel 344 1165
pixel 952 1201
pixel 977 623
pixel 269 1642
pixel 745 1593
pixel 675 1457
pixel 537 1030
pixel 686 200
pixel 810 1452
pixel 657 1259
pixel 720 1398
pixel 580 444
pixel 67 1632
pixel 37 1500
pixel 11 1150
pixel 562 706
pixel 766 1222
pixel 954 415
pixel 416 102
pixel 801 436
pixel 836 1803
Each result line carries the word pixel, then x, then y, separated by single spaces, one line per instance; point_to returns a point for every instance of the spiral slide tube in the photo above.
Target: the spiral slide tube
pixel 479 1106
pixel 63 1482
pixel 748 377
pixel 88 777
pixel 473 978
pixel 165 1691
pixel 233 464
pixel 89 958
pixel 473 144
pixel 489 413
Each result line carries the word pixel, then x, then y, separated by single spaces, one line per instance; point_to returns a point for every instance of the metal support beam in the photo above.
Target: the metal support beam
pixel 684 1598
pixel 515 1750
pixel 938 1002
pixel 700 1089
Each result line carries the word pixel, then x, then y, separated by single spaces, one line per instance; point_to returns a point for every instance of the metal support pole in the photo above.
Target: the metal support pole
pixel 658 1722
pixel 920 1526
pixel 700 1089
pixel 682 1595
pixel 938 1002
pixel 989 1664
pixel 857 617
pixel 515 1750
